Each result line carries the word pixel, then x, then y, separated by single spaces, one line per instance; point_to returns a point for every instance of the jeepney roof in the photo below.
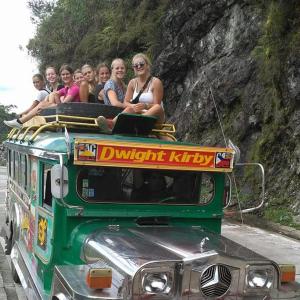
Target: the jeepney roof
pixel 57 141
pixel 129 151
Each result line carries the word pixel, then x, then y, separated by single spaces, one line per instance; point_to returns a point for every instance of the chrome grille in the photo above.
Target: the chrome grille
pixel 215 281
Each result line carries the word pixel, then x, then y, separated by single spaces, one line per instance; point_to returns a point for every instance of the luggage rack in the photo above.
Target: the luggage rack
pixel 38 124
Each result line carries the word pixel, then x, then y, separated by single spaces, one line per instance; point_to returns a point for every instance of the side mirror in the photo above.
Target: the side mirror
pixel 59 174
pixel 227 192
pixel 237 152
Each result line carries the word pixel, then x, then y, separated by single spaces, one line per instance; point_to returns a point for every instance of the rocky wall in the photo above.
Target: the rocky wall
pixel 214 82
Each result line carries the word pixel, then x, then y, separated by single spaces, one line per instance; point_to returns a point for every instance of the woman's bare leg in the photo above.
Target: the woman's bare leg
pixel 35 111
pixel 156 111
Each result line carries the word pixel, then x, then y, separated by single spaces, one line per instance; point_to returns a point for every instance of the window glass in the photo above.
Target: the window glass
pixel 105 184
pixel 26 173
pixel 207 188
pixel 33 186
pixel 23 170
pixel 17 166
pixel 14 164
pixel 9 162
pixel 47 196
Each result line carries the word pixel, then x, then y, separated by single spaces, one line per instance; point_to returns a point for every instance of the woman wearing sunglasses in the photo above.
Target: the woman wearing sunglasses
pixel 151 88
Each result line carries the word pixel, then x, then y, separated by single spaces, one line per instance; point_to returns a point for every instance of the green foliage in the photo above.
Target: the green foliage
pixel 5 114
pixel 41 9
pixel 281 215
pixel 270 51
pixel 96 30
pixel 279 41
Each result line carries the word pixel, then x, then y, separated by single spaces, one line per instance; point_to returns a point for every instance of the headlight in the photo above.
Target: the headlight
pixel 158 283
pixel 260 277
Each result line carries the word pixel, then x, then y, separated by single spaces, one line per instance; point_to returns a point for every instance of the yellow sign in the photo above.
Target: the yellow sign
pixel 164 156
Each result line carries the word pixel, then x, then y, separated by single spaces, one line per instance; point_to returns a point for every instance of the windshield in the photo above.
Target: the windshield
pixel 125 185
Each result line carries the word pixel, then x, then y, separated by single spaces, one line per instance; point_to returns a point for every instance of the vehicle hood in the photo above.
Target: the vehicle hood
pixel 127 249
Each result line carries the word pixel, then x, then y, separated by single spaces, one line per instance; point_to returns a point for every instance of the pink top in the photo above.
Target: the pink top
pixel 70 91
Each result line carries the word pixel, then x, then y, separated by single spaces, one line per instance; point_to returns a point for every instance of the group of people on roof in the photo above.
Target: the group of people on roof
pixel 142 95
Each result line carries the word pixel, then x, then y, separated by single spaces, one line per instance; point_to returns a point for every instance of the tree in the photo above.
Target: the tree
pixel 5 114
pixel 78 32
pixel 41 9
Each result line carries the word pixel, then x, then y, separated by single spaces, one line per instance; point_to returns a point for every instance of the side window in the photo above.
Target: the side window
pixel 17 169
pixel 23 171
pixel 28 174
pixel 33 183
pixel 9 162
pixel 47 196
pixel 14 165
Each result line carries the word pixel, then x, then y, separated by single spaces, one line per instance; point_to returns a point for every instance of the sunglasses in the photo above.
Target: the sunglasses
pixel 138 65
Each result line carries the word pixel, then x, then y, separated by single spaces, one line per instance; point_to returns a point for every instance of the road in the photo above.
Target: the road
pixel 272 245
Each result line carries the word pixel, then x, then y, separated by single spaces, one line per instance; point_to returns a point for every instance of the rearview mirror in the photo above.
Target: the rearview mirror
pixel 59 174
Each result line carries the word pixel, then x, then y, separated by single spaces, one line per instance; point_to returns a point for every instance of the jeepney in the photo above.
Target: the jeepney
pixel 125 215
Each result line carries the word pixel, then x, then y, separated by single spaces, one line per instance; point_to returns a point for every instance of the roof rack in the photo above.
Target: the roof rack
pixel 31 129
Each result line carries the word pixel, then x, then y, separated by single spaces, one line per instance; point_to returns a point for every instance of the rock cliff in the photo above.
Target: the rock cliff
pixel 241 58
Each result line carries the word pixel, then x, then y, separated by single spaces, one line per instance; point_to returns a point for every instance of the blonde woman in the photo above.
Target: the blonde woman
pixel 115 88
pixel 149 87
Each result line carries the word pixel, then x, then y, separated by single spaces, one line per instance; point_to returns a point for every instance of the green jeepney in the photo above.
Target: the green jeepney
pixel 132 214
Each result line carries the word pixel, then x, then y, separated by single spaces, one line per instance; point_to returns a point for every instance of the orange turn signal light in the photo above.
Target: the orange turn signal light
pixel 288 273
pixel 99 278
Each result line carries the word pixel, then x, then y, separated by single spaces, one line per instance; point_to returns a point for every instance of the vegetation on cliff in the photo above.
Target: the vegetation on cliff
pixel 277 52
pixel 92 31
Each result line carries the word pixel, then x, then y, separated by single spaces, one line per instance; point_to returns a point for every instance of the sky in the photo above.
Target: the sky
pixel 17 67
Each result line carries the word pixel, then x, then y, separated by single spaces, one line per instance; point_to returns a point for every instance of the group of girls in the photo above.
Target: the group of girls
pixel 143 95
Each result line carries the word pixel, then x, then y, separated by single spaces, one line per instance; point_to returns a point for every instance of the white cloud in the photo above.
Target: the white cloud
pixel 17 67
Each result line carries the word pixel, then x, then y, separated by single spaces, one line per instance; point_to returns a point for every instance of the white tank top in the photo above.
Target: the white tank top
pixel 146 96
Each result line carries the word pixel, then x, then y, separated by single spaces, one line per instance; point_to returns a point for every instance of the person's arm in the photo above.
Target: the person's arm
pixel 84 91
pixel 112 96
pixel 72 94
pixel 33 105
pixel 129 92
pixel 101 95
pixel 158 91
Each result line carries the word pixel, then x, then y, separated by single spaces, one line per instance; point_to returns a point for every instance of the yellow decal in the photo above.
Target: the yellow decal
pixel 42 232
pixel 25 222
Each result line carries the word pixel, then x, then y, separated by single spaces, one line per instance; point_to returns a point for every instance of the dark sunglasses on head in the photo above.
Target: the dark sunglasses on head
pixel 138 65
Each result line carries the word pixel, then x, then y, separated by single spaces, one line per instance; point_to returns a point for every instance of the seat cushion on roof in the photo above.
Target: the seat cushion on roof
pixel 89 110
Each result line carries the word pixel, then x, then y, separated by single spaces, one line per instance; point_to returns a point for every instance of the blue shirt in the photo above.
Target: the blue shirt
pixel 112 85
